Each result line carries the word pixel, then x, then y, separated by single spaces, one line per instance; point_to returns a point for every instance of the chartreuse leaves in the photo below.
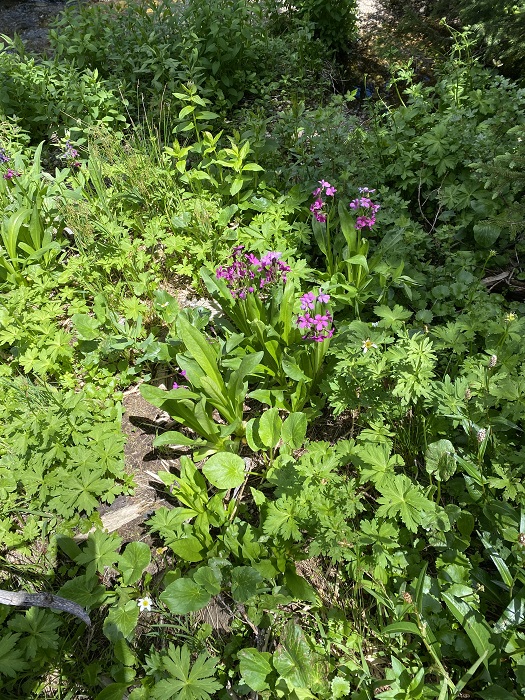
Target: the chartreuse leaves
pixel 186 681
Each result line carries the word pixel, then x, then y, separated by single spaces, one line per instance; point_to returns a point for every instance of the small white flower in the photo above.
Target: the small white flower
pixel 145 604
pixel 482 434
pixel 367 345
pixel 493 360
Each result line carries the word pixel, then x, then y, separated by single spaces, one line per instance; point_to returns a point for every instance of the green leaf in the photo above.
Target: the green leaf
pixel 293 659
pixel 293 431
pixel 134 561
pixel 188 548
pixel 401 497
pixel 340 688
pixel 236 186
pixel 121 621
pixel 402 628
pixel 440 459
pixel 224 470
pixel 11 656
pixel 255 667
pixel 185 684
pixel 115 691
pixel 245 581
pixel 86 326
pixel 208 578
pixel 476 627
pixel 299 587
pixel 201 351
pixel 175 439
pixel 496 692
pixel 270 425
pixel 486 234
pixel 99 551
pixel 184 596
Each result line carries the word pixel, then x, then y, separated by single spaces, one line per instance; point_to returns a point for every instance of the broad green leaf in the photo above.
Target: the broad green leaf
pixel 496 692
pixel 292 369
pixel 293 659
pixel 224 470
pixel 115 691
pixel 184 596
pixel 121 621
pixel 134 560
pixel 476 627
pixel 299 587
pixel 486 234
pixel 236 186
pixel 252 435
pixel 440 459
pixel 99 551
pixel 255 668
pixel 294 430
pixel 201 351
pixel 188 548
pixel 84 590
pixel 270 425
pixel 209 578
pixel 245 581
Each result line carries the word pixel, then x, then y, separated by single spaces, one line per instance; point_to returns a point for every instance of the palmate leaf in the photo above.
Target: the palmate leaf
pixel 185 684
pixel 401 497
pixel 11 657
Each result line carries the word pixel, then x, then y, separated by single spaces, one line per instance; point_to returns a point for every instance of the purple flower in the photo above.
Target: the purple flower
pixel 308 300
pixel 10 174
pixel 304 321
pixel 330 191
pixel 323 298
pixel 4 158
pixel 183 373
pixel 321 218
pixel 317 205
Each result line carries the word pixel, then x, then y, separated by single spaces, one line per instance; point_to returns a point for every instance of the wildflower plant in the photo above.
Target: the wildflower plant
pixel 338 231
pixel 259 296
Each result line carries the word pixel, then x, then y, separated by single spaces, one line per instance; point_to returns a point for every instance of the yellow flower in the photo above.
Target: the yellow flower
pixel 510 317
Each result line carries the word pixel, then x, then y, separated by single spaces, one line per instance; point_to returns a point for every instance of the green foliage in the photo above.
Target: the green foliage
pixel 48 96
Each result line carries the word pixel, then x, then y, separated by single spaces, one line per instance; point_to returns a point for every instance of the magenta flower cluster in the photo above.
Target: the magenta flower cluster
pixel 10 174
pixel 248 273
pixel 317 208
pixel 71 155
pixel 365 208
pixel 316 319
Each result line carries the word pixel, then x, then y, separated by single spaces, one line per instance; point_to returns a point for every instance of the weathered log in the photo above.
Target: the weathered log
pixel 43 600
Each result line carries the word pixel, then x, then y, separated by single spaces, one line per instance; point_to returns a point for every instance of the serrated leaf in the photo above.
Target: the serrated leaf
pixel 184 596
pixel 185 684
pixel 440 459
pixel 401 497
pixel 11 656
pixel 245 581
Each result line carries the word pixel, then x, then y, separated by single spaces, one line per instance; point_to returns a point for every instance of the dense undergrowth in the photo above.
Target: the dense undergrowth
pixel 347 414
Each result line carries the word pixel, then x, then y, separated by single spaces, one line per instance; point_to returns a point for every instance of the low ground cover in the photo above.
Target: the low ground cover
pixel 319 298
